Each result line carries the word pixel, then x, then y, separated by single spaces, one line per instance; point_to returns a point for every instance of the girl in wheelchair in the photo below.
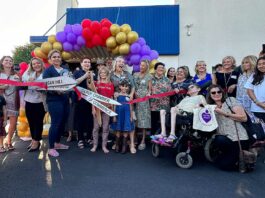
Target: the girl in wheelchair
pixel 193 100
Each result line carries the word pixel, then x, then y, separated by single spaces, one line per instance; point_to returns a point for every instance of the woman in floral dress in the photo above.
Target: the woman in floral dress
pixel 143 86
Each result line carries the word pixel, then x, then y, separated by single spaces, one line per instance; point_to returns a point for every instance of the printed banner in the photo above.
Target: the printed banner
pixel 99 105
pixel 60 83
pixel 97 96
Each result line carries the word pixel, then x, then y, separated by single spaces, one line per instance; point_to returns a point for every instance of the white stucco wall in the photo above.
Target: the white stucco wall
pixel 220 28
pixel 62 5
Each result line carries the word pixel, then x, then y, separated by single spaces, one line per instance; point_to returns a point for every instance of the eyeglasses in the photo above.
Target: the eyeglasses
pixel 216 92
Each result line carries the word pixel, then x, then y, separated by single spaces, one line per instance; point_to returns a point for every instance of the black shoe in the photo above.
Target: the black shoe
pixel 34 149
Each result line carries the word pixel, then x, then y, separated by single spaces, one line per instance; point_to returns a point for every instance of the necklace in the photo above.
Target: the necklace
pixel 227 81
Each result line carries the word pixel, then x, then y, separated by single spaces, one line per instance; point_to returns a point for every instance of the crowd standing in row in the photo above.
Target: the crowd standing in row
pixel 239 88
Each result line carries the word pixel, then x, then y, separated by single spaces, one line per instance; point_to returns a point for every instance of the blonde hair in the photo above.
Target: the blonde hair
pixel 52 52
pixel 252 60
pixel 197 63
pixel 230 58
pixel 147 62
pixel 30 68
pixel 114 63
pixel 1 64
pixel 107 73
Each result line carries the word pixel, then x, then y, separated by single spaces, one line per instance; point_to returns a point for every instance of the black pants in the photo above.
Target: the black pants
pixel 229 152
pixel 83 119
pixel 35 114
pixel 155 122
pixel 260 115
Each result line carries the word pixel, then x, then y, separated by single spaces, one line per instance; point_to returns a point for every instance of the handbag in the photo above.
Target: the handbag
pixel 247 159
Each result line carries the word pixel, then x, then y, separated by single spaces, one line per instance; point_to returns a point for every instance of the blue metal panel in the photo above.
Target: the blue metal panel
pixel 159 25
pixel 38 39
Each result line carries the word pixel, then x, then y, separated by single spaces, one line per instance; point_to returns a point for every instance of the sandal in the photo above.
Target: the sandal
pixel 9 147
pixel 156 137
pixel 258 143
pixel 80 144
pixel 171 138
pixel 2 149
pixel 53 153
pixel 141 146
pixel 132 150
pixel 60 146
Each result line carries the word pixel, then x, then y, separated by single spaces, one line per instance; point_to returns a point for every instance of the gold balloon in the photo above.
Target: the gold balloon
pixel 114 29
pixel 111 42
pixel 121 37
pixel 39 53
pixel 152 64
pixel 66 55
pixel 57 46
pixel 46 47
pixel 132 37
pixel 115 51
pixel 126 28
pixel 124 49
pixel 152 71
pixel 52 39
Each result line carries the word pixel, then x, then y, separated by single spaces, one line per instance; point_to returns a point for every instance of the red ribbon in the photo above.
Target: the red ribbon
pixel 161 95
pixel 20 84
pixel 78 93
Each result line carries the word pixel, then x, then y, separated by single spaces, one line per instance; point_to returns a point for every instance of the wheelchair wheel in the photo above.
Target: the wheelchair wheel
pixel 155 150
pixel 210 151
pixel 184 160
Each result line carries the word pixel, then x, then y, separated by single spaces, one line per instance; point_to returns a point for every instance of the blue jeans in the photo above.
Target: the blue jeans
pixel 59 112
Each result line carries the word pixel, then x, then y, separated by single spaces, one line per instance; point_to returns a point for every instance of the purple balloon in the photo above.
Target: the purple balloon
pixel 129 63
pixel 67 28
pixel 135 59
pixel 67 46
pixel 80 41
pixel 145 57
pixel 77 29
pixel 136 68
pixel 77 47
pixel 154 54
pixel 141 41
pixel 71 38
pixel 135 48
pixel 61 37
pixel 145 50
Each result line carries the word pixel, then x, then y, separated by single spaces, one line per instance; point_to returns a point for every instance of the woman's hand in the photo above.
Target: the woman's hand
pixel 116 94
pixel 176 90
pixel 220 111
pixel 131 97
pixel 94 112
pixel 231 88
pixel 261 104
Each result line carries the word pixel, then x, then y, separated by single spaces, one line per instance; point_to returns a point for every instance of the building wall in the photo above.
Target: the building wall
pixel 220 28
pixel 62 5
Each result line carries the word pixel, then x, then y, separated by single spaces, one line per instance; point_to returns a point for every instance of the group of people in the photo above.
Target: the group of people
pixel 234 90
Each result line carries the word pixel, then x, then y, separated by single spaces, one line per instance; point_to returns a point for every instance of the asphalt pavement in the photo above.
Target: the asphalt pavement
pixel 81 173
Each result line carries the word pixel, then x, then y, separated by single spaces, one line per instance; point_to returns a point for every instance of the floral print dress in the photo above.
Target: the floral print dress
pixel 143 113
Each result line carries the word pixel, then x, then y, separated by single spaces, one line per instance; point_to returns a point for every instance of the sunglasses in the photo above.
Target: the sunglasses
pixel 216 92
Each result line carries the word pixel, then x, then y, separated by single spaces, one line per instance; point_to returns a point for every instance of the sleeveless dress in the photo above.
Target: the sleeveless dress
pixel 123 123
pixel 227 79
pixel 143 112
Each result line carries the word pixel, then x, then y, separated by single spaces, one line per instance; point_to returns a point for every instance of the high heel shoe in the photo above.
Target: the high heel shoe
pixel 34 149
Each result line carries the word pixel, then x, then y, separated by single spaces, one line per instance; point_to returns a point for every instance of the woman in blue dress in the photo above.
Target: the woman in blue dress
pixel 202 78
pixel 123 122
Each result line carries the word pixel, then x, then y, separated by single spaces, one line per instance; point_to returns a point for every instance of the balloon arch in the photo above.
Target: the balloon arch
pixel 118 40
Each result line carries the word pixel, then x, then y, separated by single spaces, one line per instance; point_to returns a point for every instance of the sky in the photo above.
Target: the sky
pixel 20 19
